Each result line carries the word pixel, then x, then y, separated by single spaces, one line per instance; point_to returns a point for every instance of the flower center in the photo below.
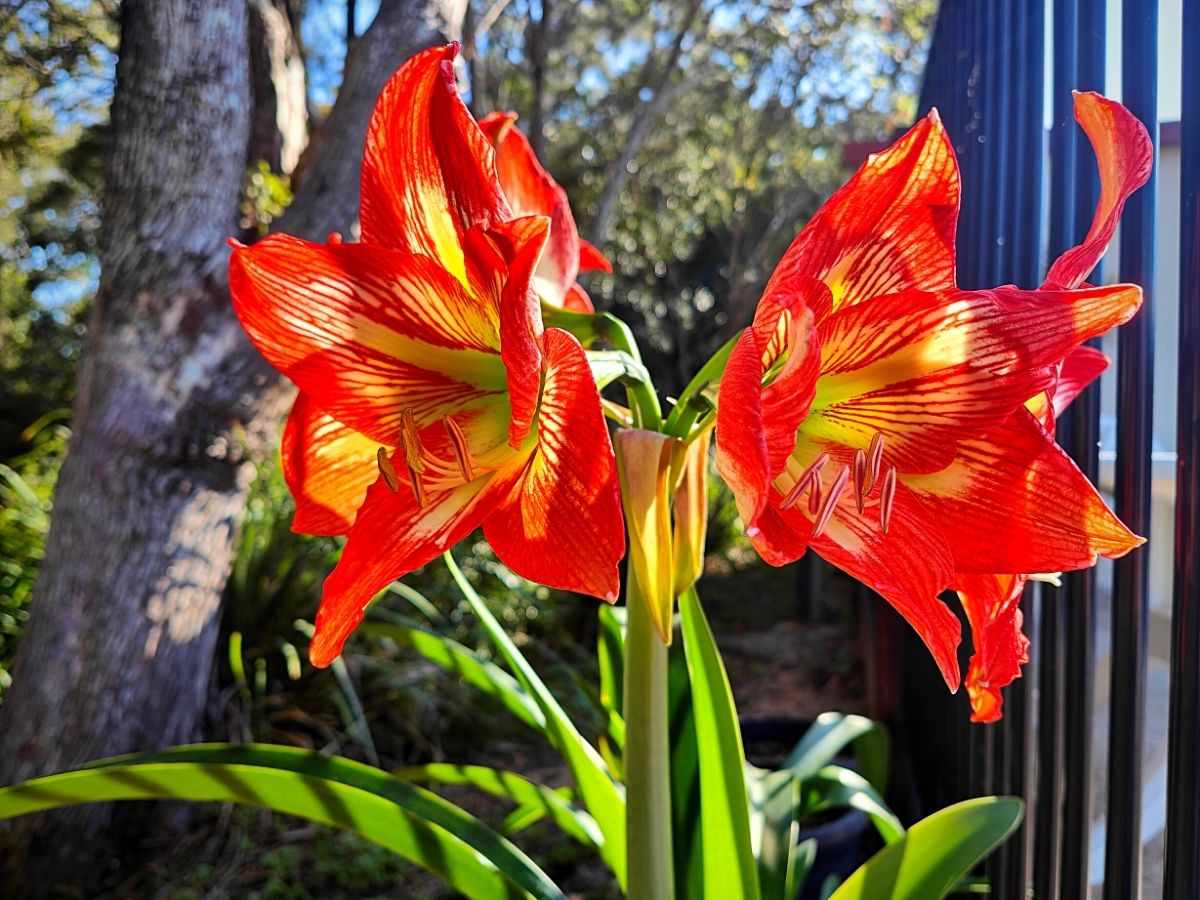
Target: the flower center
pixel 866 471
pixel 416 456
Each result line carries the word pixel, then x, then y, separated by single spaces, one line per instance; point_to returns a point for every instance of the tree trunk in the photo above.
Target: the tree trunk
pixel 172 406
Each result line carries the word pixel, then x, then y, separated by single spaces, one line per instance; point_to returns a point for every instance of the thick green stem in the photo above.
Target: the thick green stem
pixel 647 755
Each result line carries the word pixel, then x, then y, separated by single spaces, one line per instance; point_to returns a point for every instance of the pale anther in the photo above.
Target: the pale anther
pixel 462 455
pixel 814 470
pixel 410 443
pixel 874 456
pixel 387 470
pixel 814 495
pixel 886 496
pixel 860 475
pixel 835 494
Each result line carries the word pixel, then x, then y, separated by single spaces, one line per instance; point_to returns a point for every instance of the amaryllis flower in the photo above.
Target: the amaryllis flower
pixel 531 190
pixel 877 413
pixel 432 401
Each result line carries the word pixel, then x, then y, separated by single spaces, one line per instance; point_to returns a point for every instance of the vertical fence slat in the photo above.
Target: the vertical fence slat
pixel 1182 867
pixel 1123 851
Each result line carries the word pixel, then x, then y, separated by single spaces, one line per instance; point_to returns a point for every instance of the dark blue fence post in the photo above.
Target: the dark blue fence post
pixel 1135 378
pixel 1182 870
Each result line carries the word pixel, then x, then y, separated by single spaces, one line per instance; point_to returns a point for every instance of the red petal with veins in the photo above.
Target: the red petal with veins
pixel 1013 501
pixel 531 191
pixel 429 173
pixel 392 536
pixel 366 331
pixel 521 322
pixel 591 259
pixel 328 468
pixel 992 604
pixel 1125 157
pixel 890 228
pixel 909 567
pixel 927 370
pixel 561 523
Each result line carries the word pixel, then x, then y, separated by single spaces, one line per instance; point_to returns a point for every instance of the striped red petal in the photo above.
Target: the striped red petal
pixel 532 191
pixel 429 173
pixel 392 536
pixel 1013 501
pixel 992 604
pixel 909 567
pixel 560 525
pixel 328 468
pixel 591 259
pixel 890 228
pixel 927 370
pixel 521 321
pixel 367 332
pixel 1125 156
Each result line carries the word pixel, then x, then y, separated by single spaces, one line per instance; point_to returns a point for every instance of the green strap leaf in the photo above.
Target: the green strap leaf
pixel 935 853
pixel 835 787
pixel 730 869
pixel 410 821
pixel 602 796
pixel 537 800
pixel 830 734
pixel 468 665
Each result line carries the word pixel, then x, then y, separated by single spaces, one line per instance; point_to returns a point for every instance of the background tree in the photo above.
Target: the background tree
pixel 171 401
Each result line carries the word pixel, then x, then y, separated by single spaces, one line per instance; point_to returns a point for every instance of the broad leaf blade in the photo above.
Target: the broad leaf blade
pixel 935 853
pixel 411 822
pixel 473 669
pixel 604 799
pixel 532 797
pixel 730 869
pixel 836 787
pixel 830 734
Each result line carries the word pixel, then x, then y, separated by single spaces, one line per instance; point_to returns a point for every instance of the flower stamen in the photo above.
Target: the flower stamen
pixel 387 470
pixel 835 494
pixel 874 457
pixel 860 475
pixel 813 471
pixel 462 455
pixel 886 496
pixel 414 453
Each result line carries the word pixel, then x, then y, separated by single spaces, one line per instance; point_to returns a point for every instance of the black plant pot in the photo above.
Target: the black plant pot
pixel 768 740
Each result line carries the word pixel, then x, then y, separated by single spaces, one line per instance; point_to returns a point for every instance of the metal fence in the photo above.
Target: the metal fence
pixel 1029 193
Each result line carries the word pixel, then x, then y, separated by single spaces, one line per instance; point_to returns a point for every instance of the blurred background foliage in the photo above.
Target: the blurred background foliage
pixel 694 138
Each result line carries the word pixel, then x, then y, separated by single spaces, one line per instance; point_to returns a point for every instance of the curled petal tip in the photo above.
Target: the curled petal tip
pixel 934 116
pixel 235 244
pixel 752 531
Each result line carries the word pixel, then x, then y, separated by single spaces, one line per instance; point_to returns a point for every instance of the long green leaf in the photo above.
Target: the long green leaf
pixel 730 869
pixel 410 821
pixel 774 807
pixel 521 791
pixel 468 665
pixel 685 779
pixel 835 787
pixel 830 734
pixel 935 853
pixel 602 796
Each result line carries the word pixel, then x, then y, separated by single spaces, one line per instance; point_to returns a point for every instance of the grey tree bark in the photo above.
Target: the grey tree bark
pixel 173 405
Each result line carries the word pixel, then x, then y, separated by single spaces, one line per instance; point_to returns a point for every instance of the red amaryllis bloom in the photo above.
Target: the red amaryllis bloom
pixel 432 400
pixel 877 413
pixel 532 191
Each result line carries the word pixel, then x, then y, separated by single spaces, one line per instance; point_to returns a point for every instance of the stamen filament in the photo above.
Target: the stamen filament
pixel 886 496
pixel 814 469
pixel 835 494
pixel 462 455
pixel 387 470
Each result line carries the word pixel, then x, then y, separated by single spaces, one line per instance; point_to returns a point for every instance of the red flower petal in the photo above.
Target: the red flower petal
pixel 561 523
pixel 1125 156
pixel 521 322
pixel 367 332
pixel 591 259
pixel 328 468
pixel 392 536
pixel 992 604
pixel 1013 501
pixel 577 300
pixel 890 228
pixel 1081 367
pixel 908 567
pixel 928 370
pixel 429 173
pixel 531 191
